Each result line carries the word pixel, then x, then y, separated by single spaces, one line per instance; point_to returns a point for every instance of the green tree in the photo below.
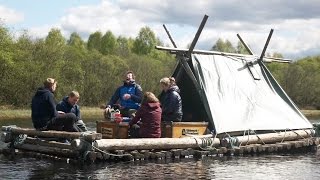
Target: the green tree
pixel 94 41
pixel 108 43
pixel 144 42
pixel 223 46
pixel 76 41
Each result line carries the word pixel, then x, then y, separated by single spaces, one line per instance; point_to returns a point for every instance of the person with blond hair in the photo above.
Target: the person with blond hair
pixel 43 110
pixel 171 101
pixel 69 105
pixel 149 117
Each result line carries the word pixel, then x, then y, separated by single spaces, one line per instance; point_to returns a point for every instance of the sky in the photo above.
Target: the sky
pixel 296 23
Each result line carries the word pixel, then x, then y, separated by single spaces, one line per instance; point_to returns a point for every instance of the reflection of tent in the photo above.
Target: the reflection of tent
pixel 233 92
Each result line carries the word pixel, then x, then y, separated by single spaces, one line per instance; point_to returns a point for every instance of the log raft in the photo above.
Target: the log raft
pixel 89 147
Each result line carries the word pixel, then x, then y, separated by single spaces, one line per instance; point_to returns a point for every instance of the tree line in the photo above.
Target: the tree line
pixel 96 67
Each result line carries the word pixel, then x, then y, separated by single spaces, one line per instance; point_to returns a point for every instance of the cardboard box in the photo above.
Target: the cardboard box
pixel 182 129
pixel 112 130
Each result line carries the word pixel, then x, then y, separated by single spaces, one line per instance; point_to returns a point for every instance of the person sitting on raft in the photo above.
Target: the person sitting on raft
pixel 43 110
pixel 149 117
pixel 171 102
pixel 129 94
pixel 69 105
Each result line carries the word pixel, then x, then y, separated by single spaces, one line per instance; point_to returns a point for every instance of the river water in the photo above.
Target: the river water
pixel 269 166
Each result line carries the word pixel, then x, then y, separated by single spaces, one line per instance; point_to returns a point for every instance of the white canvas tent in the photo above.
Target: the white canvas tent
pixel 238 101
pixel 233 92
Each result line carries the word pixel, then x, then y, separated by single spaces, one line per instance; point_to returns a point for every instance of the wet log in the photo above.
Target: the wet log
pixel 152 143
pixel 53 134
pixel 35 141
pixel 48 150
pixel 270 138
pixel 6 137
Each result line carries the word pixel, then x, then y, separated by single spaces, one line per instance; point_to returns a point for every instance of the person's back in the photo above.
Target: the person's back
pixel 42 108
pixel 149 116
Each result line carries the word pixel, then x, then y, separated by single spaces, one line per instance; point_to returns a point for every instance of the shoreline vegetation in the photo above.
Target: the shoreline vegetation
pixel 92 112
pixel 11 114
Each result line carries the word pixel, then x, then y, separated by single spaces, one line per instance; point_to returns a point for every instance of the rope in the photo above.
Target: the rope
pixel 19 139
pixel 297 134
pixel 206 143
pixel 284 136
pixel 258 137
pixel 101 151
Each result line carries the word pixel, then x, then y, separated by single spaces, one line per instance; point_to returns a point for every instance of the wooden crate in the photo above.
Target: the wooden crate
pixel 112 130
pixel 183 129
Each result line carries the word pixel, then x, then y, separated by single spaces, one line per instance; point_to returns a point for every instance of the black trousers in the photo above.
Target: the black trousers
pixel 64 122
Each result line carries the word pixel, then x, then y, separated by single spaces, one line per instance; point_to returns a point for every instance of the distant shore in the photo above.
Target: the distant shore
pixel 92 112
pixel 86 113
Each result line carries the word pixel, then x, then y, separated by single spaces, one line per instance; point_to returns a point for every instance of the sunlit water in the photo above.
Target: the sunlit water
pixel 270 166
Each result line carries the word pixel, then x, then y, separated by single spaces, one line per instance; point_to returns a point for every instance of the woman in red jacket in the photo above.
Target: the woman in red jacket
pixel 149 115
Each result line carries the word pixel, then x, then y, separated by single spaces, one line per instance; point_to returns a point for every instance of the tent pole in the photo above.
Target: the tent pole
pixel 266 45
pixel 196 37
pixel 173 43
pixel 245 45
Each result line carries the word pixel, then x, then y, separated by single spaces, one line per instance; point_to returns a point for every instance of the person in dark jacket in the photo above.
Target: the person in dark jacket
pixel 43 110
pixel 171 102
pixel 69 105
pixel 149 117
pixel 129 95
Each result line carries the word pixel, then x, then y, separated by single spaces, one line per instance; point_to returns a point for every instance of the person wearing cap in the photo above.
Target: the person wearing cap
pixel 129 95
pixel 43 110
pixel 69 105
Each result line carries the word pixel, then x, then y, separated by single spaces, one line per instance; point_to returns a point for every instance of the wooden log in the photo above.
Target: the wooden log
pixel 176 152
pixel 153 155
pixel 231 151
pixel 105 155
pixel 99 155
pixel 316 141
pixel 285 145
pixel 152 143
pixel 49 150
pixel 184 153
pixel 222 150
pixel 191 151
pixel 36 141
pixel 200 153
pixel 6 137
pixel 145 153
pixel 168 154
pixel 213 151
pixel 270 138
pixel 160 155
pixel 90 156
pixel 53 134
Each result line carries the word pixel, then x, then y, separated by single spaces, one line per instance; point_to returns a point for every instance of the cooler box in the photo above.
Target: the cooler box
pixel 182 129
pixel 113 130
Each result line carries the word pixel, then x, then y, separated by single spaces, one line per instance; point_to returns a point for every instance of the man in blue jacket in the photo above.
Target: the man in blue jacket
pixel 129 95
pixel 43 110
pixel 69 105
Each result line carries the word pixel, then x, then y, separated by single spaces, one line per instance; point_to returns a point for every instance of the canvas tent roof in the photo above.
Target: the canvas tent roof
pixel 233 92
pixel 231 99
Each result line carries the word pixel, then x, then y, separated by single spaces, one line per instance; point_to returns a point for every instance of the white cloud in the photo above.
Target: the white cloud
pixel 10 16
pixel 296 23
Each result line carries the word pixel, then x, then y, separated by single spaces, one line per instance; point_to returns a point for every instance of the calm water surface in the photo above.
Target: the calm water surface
pixel 271 166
